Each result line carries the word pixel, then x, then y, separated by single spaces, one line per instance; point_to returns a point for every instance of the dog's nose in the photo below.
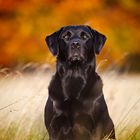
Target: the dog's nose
pixel 75 44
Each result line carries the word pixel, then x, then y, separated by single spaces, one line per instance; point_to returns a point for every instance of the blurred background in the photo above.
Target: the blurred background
pixel 24 25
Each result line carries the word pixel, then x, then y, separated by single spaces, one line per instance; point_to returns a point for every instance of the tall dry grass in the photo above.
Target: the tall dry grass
pixel 23 97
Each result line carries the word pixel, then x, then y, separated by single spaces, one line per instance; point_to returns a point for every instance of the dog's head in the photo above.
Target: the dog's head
pixel 75 43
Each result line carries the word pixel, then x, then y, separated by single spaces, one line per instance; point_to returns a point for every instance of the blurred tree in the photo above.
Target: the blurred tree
pixel 24 25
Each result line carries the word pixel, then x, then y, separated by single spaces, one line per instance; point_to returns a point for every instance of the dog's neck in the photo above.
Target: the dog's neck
pixel 74 77
pixel 85 68
pixel 77 78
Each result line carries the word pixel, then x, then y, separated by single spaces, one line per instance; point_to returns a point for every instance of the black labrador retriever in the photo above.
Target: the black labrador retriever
pixel 76 108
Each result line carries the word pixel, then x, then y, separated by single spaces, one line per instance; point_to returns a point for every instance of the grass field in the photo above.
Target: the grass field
pixel 23 97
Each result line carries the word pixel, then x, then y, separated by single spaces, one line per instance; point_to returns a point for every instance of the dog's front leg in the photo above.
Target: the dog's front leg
pixel 60 127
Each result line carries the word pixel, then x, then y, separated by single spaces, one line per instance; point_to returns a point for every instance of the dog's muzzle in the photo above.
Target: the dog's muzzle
pixel 75 52
pixel 75 57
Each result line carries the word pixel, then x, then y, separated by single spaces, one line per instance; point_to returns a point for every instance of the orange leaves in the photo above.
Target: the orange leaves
pixel 9 5
pixel 24 25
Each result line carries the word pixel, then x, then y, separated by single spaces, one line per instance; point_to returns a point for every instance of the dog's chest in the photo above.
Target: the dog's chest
pixel 73 83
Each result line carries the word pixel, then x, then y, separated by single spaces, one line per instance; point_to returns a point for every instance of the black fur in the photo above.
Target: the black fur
pixel 76 109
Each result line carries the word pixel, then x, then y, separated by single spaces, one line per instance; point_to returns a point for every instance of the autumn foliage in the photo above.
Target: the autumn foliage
pixel 25 23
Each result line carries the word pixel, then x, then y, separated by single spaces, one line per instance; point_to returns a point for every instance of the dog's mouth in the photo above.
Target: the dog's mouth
pixel 75 60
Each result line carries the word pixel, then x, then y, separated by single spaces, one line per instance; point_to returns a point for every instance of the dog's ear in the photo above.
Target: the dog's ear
pixel 99 40
pixel 52 42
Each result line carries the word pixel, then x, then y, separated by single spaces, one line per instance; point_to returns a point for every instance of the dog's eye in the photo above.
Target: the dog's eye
pixel 67 36
pixel 84 36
